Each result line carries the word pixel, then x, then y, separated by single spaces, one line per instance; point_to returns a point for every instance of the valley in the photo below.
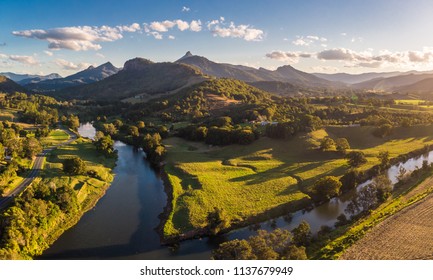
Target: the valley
pixel 237 149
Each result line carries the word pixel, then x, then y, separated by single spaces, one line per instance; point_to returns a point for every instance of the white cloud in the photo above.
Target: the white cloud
pixel 156 35
pixel 185 9
pixel 195 25
pixel 163 26
pixel 48 53
pixel 67 65
pixel 182 25
pixel 78 38
pixel 131 28
pixel 325 69
pixel 308 40
pixel 3 55
pixel 236 31
pixel 171 37
pixel 24 59
pixel 100 55
pixel 290 57
pixel 343 34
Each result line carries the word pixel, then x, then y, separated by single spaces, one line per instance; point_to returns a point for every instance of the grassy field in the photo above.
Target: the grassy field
pixel 8 114
pixel 249 180
pixel 408 101
pixel 55 137
pixel 86 187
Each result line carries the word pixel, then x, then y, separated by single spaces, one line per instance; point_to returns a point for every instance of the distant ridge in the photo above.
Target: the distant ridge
pixel 286 74
pixel 87 76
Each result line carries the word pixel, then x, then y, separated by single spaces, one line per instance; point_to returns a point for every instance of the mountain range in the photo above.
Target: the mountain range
pixel 141 79
pixel 87 76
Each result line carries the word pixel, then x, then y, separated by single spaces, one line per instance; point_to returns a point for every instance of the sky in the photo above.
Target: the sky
pixel 328 36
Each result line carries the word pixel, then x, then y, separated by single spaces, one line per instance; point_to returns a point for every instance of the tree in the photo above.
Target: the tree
pixel 302 234
pixel 217 220
pixel 356 158
pixel 234 250
pixel 31 147
pixel 350 180
pixel 383 187
pixel 383 130
pixel 105 144
pixel 74 166
pixel 133 131
pixel 326 143
pixel 326 187
pixel 342 145
pixel 384 159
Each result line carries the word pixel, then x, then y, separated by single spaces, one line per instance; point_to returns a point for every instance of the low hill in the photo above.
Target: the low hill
pixel 392 83
pixel 139 76
pixel 422 87
pixel 90 75
pixel 9 86
pixel 39 79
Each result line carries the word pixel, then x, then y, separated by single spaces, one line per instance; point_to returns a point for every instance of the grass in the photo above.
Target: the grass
pixel 7 114
pixel 408 101
pixel 87 187
pixel 250 180
pixel 55 137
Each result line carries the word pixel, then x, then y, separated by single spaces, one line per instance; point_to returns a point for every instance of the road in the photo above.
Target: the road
pixel 37 167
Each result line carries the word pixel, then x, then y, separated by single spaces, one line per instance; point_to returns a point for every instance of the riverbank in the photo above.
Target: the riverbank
pixel 407 195
pixel 187 180
pixel 55 201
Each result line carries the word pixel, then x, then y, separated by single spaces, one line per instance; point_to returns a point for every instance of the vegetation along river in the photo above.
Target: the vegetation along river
pixel 122 225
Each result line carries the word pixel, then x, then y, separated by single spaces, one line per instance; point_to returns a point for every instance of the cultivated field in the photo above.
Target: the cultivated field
pixel 405 235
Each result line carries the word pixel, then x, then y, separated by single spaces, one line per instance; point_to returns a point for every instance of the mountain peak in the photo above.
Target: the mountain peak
pixel 188 54
pixel 137 63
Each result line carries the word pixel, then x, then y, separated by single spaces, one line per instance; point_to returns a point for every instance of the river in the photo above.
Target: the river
pixel 122 224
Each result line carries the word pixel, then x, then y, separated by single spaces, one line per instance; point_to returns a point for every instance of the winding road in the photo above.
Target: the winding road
pixel 37 167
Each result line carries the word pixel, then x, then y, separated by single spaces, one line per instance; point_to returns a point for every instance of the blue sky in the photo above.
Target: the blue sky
pixel 313 36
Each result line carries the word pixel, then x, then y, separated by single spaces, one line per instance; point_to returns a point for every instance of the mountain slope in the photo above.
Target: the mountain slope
pixel 355 78
pixel 138 76
pixel 388 84
pixel 18 78
pixel 9 86
pixel 39 79
pixel 421 87
pixel 286 73
pixel 90 75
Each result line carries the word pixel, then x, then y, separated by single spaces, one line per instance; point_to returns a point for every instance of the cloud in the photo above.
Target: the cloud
pixel 185 9
pixel 242 31
pixel 308 40
pixel 48 53
pixel 325 69
pixel 3 55
pixel 100 55
pixel 78 38
pixel 182 25
pixel 167 25
pixel 131 28
pixel 156 35
pixel 3 45
pixel 195 25
pixel 24 59
pixel 67 65
pixel 171 37
pixel 290 57
pixel 163 26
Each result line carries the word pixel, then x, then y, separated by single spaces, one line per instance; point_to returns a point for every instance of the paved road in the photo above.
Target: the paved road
pixel 37 166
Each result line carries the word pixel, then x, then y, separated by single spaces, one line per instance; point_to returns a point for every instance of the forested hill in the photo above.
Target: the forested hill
pixel 139 76
pixel 9 86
